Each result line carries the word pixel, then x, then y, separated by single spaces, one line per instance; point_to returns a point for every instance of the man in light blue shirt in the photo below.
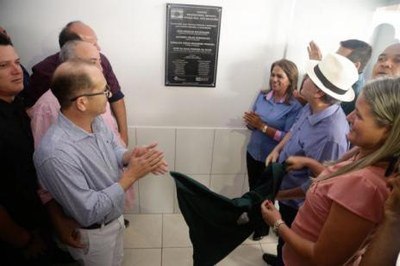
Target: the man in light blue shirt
pixel 321 127
pixel 79 161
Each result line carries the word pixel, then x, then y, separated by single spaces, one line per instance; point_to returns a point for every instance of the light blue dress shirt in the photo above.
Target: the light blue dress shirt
pixel 278 115
pixel 81 170
pixel 321 136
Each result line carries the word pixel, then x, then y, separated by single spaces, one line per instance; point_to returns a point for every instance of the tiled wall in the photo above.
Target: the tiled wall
pixel 216 157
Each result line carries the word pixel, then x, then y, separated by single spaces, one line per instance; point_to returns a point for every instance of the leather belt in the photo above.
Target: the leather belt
pixel 97 226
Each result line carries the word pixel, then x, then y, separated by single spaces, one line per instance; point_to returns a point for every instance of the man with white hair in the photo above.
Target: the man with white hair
pixel 42 72
pixel 45 111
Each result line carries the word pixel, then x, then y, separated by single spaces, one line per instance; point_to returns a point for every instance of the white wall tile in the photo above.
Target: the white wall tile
pixel 175 231
pixel 229 155
pixel 133 207
pixel 165 137
pixel 156 194
pixel 132 137
pixel 246 187
pixel 228 185
pixel 194 150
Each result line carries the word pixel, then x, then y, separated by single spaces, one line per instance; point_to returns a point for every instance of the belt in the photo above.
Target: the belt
pixel 97 226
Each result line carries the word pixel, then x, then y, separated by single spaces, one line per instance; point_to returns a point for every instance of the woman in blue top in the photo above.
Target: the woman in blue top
pixel 273 114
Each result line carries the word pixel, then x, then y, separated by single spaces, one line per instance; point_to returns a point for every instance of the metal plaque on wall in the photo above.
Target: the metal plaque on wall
pixel 192 45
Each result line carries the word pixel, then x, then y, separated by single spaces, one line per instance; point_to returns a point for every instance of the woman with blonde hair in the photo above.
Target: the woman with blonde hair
pixel 345 203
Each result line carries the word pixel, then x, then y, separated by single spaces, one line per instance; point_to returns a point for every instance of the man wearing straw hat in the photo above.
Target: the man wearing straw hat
pixel 320 130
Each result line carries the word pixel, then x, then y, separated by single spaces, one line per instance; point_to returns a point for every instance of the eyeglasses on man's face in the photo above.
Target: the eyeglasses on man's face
pixel 107 92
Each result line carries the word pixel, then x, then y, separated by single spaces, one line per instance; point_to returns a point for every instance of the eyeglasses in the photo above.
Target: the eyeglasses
pixel 107 92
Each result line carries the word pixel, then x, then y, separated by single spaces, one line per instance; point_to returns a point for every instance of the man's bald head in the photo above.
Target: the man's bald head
pixel 85 32
pixel 77 30
pixel 73 78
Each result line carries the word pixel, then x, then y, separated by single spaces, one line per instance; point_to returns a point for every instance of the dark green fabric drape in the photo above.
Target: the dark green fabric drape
pixel 217 225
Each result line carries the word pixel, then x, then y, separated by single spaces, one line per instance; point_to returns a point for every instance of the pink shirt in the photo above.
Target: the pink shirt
pixel 362 192
pixel 45 112
pixel 278 133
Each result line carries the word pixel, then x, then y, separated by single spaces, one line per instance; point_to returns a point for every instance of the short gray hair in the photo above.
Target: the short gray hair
pixel 67 52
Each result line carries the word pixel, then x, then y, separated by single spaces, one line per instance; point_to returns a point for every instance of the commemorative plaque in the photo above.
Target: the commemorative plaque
pixel 192 45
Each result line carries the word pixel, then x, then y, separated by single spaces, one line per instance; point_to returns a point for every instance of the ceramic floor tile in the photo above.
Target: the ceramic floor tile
pixel 269 248
pixel 175 231
pixel 177 257
pixel 144 231
pixel 142 257
pixel 244 255
pixel 271 238
pixel 250 241
pixel 163 239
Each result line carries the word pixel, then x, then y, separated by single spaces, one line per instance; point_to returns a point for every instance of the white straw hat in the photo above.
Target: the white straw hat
pixel 334 75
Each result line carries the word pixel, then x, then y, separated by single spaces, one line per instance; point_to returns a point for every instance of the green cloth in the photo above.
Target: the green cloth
pixel 217 224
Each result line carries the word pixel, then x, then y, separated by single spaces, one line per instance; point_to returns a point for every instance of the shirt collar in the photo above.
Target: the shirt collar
pixel 74 131
pixel 269 95
pixel 315 118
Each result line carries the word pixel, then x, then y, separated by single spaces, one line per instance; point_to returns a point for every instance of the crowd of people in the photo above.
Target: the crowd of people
pixel 64 127
pixel 324 207
pixel 73 139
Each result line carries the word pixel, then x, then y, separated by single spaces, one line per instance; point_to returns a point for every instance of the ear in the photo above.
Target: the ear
pixel 358 65
pixel 319 94
pixel 80 104
pixel 387 130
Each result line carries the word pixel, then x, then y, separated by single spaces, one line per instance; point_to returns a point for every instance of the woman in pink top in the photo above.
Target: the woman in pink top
pixel 345 203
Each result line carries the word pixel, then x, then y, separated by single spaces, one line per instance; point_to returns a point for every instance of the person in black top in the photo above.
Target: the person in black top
pixel 24 71
pixel 24 226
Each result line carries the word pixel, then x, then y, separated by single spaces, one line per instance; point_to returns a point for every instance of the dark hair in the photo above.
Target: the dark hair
pixel 361 52
pixel 67 35
pixel 291 72
pixel 71 81
pixel 4 40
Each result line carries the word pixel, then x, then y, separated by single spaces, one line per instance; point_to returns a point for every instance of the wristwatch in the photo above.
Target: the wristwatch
pixel 264 129
pixel 278 223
